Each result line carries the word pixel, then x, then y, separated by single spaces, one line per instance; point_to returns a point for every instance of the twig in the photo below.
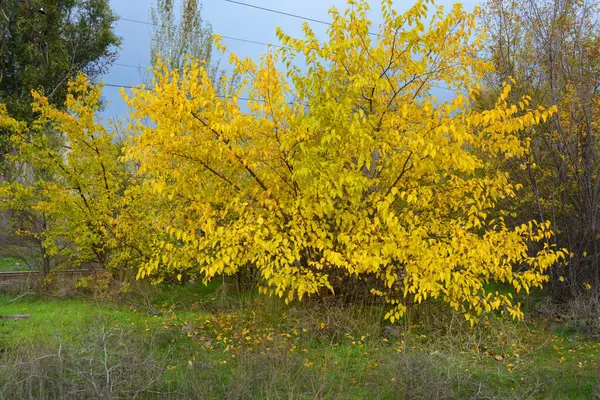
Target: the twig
pixel 21 295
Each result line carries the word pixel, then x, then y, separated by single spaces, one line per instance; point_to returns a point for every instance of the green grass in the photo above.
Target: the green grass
pixel 13 264
pixel 205 344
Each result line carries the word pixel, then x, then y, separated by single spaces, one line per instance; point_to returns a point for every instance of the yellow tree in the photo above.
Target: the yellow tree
pixel 71 181
pixel 344 167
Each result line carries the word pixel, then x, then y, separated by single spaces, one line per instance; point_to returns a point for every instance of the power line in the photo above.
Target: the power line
pixel 318 21
pixel 137 21
pixel 130 66
pixel 249 41
pixel 227 37
pixel 278 12
pixel 237 38
pixel 118 86
pixel 251 6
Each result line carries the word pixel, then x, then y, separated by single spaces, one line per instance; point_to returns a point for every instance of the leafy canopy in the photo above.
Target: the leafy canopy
pixel 175 39
pixel 44 45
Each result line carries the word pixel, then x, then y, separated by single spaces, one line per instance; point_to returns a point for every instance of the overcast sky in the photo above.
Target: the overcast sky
pixel 227 19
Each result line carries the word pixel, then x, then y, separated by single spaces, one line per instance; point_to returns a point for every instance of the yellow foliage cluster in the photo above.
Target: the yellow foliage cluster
pixel 69 180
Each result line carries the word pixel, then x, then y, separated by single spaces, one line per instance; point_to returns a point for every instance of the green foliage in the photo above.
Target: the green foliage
pixel 44 44
pixel 43 50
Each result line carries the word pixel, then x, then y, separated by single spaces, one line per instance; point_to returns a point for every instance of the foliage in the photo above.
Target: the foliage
pixel 177 41
pixel 346 168
pixel 44 44
pixel 71 200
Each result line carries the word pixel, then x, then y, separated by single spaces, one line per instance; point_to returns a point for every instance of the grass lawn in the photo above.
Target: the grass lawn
pixel 206 345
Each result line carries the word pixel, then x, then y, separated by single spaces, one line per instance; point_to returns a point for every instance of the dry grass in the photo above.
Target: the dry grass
pixel 214 346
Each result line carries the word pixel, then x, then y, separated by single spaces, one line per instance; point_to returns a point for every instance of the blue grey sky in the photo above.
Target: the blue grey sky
pixel 227 19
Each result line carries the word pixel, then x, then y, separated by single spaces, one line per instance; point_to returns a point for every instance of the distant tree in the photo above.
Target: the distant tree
pixel 76 201
pixel 44 44
pixel 64 209
pixel 177 39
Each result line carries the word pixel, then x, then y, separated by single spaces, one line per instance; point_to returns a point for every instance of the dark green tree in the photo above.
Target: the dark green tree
pixel 45 43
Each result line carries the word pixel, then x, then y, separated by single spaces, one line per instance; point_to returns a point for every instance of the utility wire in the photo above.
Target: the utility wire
pixel 137 21
pixel 249 41
pixel 232 37
pixel 278 12
pixel 226 37
pixel 284 13
pixel 130 66
pixel 117 86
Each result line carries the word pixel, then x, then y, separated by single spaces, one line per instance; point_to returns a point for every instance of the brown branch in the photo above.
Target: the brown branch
pixel 207 167
pixel 404 169
pixel 227 143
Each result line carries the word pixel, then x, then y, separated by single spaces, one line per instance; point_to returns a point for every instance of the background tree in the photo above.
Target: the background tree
pixel 44 44
pixel 551 48
pixel 177 39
